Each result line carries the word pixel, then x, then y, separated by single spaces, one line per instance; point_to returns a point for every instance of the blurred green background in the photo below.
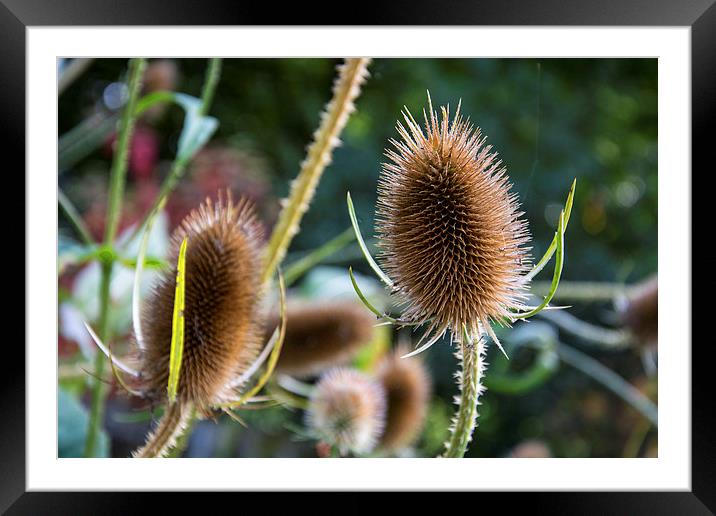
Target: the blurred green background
pixel 550 120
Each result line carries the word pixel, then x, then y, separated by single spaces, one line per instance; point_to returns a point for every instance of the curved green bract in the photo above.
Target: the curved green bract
pixel 553 246
pixel 558 265
pixel 177 349
pixel 359 237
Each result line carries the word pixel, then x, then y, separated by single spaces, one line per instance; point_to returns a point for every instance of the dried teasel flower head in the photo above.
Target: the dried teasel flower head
pixel 640 312
pixel 347 410
pixel 320 335
pixel 407 388
pixel 222 305
pixel 450 233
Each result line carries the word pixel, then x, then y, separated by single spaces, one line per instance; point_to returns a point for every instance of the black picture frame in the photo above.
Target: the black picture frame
pixel 700 15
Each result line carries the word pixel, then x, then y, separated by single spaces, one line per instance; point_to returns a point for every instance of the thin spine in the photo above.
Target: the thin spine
pixel 472 358
pixel 326 138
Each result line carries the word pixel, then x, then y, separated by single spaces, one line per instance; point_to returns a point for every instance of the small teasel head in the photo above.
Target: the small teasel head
pixel 222 316
pixel 450 233
pixel 407 388
pixel 321 335
pixel 347 410
pixel 640 312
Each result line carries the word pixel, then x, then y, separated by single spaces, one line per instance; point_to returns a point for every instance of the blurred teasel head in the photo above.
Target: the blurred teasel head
pixel 347 410
pixel 449 230
pixel 320 335
pixel 640 312
pixel 223 323
pixel 407 388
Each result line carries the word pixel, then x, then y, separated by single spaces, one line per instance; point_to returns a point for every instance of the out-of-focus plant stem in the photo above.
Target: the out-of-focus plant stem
pixel 114 209
pixel 211 80
pixel 74 218
pixel 300 266
pixel 345 90
pixel 610 380
pixel 71 72
pixel 582 290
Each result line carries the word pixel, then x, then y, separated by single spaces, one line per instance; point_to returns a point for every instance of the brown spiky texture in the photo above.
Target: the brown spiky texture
pixel 347 410
pixel 641 314
pixel 450 233
pixel 407 388
pixel 222 328
pixel 321 335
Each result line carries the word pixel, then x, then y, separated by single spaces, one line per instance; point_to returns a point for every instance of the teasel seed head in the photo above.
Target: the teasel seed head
pixel 449 230
pixel 223 323
pixel 347 410
pixel 321 335
pixel 407 388
pixel 640 313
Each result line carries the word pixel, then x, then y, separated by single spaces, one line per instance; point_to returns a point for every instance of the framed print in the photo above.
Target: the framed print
pixel 388 256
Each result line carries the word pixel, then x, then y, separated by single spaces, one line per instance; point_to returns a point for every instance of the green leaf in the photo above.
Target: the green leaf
pixel 359 237
pixel 177 348
pixel 72 424
pixel 553 246
pixel 197 129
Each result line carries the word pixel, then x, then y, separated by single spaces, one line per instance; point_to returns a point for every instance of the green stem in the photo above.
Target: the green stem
pixel 114 207
pixel 300 266
pixel 74 218
pixel 586 291
pixel 471 355
pixel 211 79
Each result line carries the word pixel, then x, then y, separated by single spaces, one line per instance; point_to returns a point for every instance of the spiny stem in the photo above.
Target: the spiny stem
pixel 168 430
pixel 472 356
pixel 345 90
pixel 114 208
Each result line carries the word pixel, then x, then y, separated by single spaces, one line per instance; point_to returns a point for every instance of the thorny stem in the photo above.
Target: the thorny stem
pixel 472 356
pixel 345 90
pixel 114 207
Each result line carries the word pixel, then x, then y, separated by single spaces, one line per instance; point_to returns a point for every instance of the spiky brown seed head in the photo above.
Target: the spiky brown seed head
pixel 641 313
pixel 450 233
pixel 347 410
pixel 320 335
pixel 407 388
pixel 222 322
